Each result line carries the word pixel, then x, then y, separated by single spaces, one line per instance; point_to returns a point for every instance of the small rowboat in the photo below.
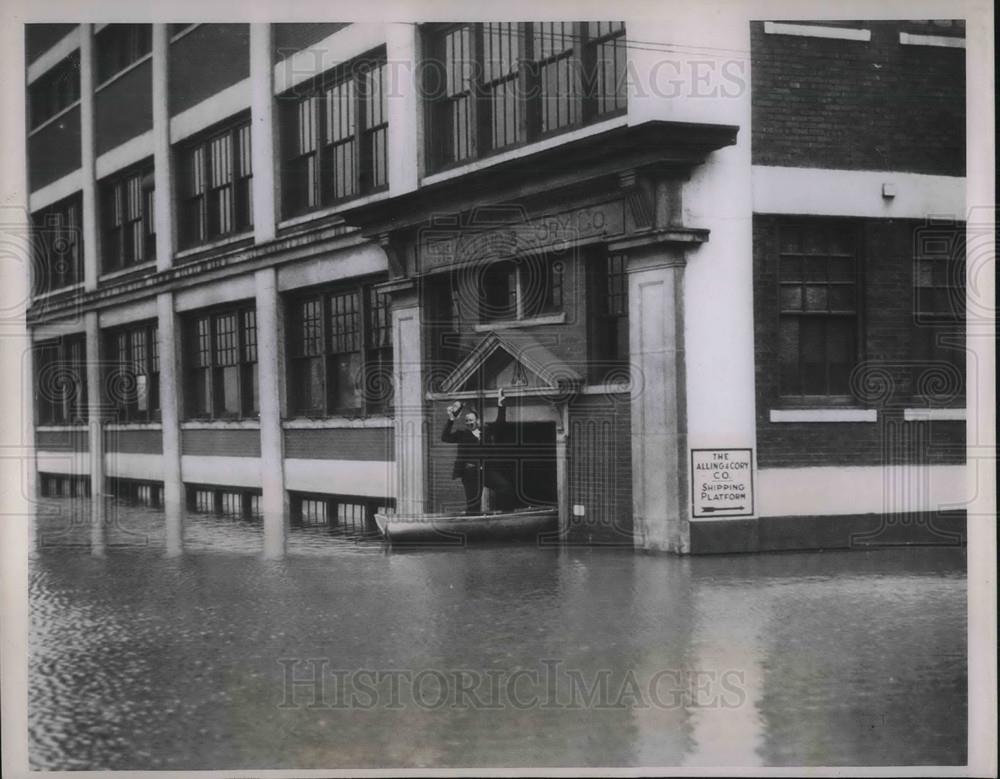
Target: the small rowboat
pixel 457 529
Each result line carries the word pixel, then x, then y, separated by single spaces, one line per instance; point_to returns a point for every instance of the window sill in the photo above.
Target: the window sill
pixel 196 251
pixel 934 414
pixel 178 35
pixel 945 41
pixel 818 31
pixel 221 424
pixel 510 324
pixel 78 287
pixel 327 211
pixel 117 274
pixel 121 73
pixel 49 428
pixel 53 119
pixel 133 426
pixel 328 423
pixel 824 415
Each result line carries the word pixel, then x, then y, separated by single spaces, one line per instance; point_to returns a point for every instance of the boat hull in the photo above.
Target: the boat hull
pixel 457 529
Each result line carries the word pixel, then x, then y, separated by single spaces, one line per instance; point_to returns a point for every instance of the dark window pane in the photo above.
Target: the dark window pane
pixel 788 339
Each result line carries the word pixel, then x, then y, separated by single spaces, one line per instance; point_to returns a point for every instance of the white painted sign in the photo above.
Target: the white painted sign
pixel 721 483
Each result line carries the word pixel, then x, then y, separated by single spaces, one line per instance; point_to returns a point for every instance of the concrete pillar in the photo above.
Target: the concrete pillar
pixel 170 414
pixel 405 139
pixel 659 437
pixel 95 422
pixel 163 172
pixel 270 359
pixel 88 160
pixel 408 402
pixel 262 134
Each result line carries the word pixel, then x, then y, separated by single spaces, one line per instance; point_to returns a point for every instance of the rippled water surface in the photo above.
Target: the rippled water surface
pixel 506 656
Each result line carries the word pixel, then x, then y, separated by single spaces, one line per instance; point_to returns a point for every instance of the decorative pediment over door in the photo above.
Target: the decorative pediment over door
pixel 518 363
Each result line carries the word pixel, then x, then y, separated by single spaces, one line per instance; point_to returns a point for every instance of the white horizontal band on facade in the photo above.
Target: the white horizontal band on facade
pixel 944 41
pixel 224 471
pixel 818 31
pixel 53 56
pixel 73 463
pixel 349 263
pixel 56 191
pixel 824 415
pixel 219 106
pixel 64 327
pixel 128 153
pixel 934 414
pixel 134 465
pixel 330 52
pixel 839 490
pixel 831 192
pixel 223 291
pixel 375 478
pixel 339 423
pixel 130 312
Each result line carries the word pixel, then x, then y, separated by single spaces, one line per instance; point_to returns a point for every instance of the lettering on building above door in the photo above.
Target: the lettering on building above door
pixel 721 483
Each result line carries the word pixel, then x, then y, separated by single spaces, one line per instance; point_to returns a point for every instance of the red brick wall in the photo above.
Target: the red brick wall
pixel 875 105
pixel 887 343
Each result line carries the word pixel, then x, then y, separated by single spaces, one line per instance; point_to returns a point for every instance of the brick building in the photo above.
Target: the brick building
pixel 267 255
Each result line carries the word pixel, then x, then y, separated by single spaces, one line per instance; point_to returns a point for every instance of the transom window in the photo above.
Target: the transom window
pixel 340 352
pixel 335 138
pixel 58 245
pixel 61 381
pixel 133 376
pixel 818 320
pixel 222 364
pixel 522 288
pixel 216 186
pixel 127 218
pixel 119 45
pixel 497 85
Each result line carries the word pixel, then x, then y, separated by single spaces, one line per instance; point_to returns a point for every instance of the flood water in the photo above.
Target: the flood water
pixel 495 656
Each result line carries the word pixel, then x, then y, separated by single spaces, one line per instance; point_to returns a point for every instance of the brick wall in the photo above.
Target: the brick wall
pixel 69 439
pixel 341 444
pixel 207 60
pixel 875 105
pixel 290 38
pixel 221 443
pixel 137 441
pixel 54 150
pixel 134 89
pixel 886 376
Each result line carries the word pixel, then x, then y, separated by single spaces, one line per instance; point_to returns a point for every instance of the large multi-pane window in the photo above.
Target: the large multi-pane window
pixel 340 514
pixel 119 45
pixel 221 364
pixel 522 288
pixel 335 136
pixel 818 305
pixel 132 359
pixel 127 219
pixel 55 91
pixel 216 197
pixel 61 381
pixel 58 245
pixel 609 352
pixel 497 85
pixel 340 351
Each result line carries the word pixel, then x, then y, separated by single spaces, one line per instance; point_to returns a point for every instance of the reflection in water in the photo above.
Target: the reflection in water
pixel 509 655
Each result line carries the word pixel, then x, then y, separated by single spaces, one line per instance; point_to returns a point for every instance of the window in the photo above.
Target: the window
pixel 818 320
pixel 119 45
pixel 61 381
pixel 340 352
pixel 609 352
pixel 132 378
pixel 221 364
pixel 55 91
pixel 216 193
pixel 136 492
pixel 348 515
pixel 497 85
pixel 224 501
pixel 523 288
pixel 939 313
pixel 127 219
pixel 335 137
pixel 58 245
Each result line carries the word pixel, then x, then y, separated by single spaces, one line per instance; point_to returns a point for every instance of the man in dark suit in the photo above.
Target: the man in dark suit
pixel 472 461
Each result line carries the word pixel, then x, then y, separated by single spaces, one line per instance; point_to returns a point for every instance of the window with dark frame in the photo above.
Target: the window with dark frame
pixel 340 351
pixel 133 373
pixel 120 45
pixel 609 347
pixel 493 86
pixel 216 197
pixel 939 314
pixel 232 502
pixel 344 514
pixel 522 288
pixel 127 219
pixel 58 245
pixel 221 364
pixel 818 323
pixel 54 91
pixel 335 135
pixel 61 381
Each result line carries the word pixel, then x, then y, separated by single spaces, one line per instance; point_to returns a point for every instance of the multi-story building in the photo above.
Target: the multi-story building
pixel 718 269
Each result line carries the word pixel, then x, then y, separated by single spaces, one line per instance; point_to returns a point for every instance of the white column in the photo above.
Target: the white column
pixel 262 134
pixel 659 440
pixel 410 430
pixel 162 162
pixel 88 157
pixel 274 501
pixel 170 413
pixel 95 423
pixel 405 124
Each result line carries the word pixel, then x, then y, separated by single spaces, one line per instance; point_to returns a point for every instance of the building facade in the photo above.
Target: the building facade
pixel 718 272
